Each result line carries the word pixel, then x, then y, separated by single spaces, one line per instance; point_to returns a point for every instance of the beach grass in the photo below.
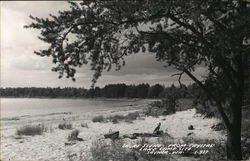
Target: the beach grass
pixel 130 117
pixel 64 126
pixel 73 135
pixel 31 130
pixel 103 150
pixel 99 118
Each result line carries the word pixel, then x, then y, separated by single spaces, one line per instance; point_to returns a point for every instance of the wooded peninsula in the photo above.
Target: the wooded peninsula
pixel 108 91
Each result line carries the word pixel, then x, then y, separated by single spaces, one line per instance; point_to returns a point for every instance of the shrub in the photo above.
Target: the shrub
pixel 128 118
pixel 73 135
pixel 153 111
pixel 65 125
pixel 165 106
pixel 71 156
pixel 145 156
pixel 117 117
pixel 98 119
pixel 115 121
pixel 205 110
pixel 101 150
pixel 184 104
pixel 204 106
pixel 218 152
pixel 172 102
pixel 132 116
pixel 31 130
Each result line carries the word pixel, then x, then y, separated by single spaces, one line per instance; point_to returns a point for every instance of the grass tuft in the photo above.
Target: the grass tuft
pixel 31 130
pixel 64 126
pixel 103 150
pixel 99 118
pixel 73 135
pixel 130 117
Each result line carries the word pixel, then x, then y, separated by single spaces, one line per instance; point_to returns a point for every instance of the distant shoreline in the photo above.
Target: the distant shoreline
pixel 105 98
pixel 42 97
pixel 140 91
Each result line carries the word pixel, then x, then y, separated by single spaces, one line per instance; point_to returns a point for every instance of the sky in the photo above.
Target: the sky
pixel 20 67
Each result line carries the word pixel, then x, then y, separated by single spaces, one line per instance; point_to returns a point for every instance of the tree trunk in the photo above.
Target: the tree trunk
pixel 234 132
pixel 233 146
pixel 246 103
pixel 234 137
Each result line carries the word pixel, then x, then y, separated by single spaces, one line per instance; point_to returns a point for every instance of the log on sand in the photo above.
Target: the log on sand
pixel 148 134
pixel 112 135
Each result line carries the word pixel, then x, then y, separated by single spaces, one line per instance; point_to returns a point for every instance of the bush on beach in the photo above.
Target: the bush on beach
pixel 117 117
pixel 73 135
pixel 130 117
pixel 105 151
pixel 99 118
pixel 165 106
pixel 115 121
pixel 64 126
pixel 31 130
pixel 217 152
pixel 153 111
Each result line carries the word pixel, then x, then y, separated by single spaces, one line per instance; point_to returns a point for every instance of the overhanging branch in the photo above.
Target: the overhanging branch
pixel 179 79
pixel 212 97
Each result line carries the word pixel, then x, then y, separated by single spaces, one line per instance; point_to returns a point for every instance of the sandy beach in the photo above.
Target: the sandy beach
pixel 51 144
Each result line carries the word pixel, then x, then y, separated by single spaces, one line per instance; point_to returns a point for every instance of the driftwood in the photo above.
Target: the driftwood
pixel 69 143
pixel 135 135
pixel 79 139
pixel 160 133
pixel 191 133
pixel 115 135
pixel 112 135
pixel 130 136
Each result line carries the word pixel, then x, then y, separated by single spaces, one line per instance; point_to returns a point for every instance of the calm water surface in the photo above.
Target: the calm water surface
pixel 14 107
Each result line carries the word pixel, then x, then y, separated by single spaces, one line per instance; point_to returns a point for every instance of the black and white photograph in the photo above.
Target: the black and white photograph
pixel 125 80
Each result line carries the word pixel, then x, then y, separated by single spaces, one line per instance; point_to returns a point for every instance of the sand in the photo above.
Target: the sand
pixel 51 145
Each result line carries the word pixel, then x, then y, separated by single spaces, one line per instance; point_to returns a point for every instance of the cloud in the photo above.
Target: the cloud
pixel 36 8
pixel 21 67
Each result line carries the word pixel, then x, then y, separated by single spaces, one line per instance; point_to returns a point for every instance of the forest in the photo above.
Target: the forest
pixel 108 91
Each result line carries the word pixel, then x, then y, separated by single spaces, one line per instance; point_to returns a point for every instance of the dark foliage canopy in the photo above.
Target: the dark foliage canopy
pixel 108 91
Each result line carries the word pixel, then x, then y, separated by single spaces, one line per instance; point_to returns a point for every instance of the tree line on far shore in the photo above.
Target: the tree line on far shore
pixel 108 91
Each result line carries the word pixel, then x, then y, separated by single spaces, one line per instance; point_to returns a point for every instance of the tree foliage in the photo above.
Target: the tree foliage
pixel 108 91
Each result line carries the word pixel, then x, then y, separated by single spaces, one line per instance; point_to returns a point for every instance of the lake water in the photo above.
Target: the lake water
pixel 14 107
